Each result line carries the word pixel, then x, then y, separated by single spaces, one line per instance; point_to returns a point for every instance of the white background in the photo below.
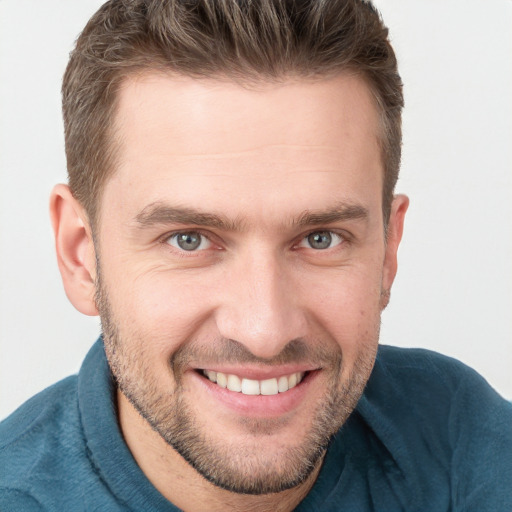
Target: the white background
pixel 453 293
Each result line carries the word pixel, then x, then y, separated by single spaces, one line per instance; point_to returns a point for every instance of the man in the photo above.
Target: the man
pixel 230 216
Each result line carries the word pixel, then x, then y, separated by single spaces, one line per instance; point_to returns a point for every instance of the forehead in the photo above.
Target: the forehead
pixel 204 112
pixel 190 141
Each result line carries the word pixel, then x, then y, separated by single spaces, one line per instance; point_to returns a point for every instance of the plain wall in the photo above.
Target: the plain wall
pixel 453 292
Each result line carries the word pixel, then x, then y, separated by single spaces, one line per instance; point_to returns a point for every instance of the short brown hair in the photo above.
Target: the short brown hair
pixel 240 39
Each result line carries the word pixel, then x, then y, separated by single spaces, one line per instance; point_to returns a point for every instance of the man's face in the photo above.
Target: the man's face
pixel 241 246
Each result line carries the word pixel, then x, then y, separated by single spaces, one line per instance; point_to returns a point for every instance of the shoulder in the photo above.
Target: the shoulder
pixel 419 373
pixel 434 411
pixel 44 411
pixel 419 361
pixel 423 380
pixel 49 404
pixel 36 439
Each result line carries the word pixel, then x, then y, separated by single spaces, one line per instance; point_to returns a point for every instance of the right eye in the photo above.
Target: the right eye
pixel 189 241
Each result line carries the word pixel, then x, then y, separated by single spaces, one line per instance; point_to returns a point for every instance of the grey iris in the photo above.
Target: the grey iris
pixel 188 241
pixel 320 240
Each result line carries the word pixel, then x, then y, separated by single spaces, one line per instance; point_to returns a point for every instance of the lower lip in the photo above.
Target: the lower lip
pixel 260 405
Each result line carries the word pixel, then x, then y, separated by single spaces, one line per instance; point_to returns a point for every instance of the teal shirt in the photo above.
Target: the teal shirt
pixel 429 434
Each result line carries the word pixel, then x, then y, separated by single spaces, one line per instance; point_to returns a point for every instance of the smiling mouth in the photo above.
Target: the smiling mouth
pixel 253 387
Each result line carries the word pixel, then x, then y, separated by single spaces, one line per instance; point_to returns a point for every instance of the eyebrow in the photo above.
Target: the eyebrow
pixel 160 213
pixel 341 212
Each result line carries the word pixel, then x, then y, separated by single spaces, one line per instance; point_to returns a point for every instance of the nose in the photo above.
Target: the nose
pixel 260 306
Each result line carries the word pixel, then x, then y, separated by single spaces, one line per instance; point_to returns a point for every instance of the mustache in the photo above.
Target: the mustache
pixel 230 351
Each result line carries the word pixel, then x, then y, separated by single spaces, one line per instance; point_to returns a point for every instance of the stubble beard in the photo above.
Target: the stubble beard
pixel 246 469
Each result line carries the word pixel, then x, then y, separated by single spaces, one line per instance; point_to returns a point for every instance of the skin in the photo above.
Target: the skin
pixel 274 163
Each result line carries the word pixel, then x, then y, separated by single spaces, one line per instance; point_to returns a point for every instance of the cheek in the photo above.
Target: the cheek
pixel 164 306
pixel 347 306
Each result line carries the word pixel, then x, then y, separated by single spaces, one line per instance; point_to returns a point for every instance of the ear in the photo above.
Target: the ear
pixel 394 235
pixel 75 249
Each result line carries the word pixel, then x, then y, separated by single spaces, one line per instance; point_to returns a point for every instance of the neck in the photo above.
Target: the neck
pixel 182 485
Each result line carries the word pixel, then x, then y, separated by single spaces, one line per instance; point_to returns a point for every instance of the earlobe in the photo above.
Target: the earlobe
pixel 75 249
pixel 394 236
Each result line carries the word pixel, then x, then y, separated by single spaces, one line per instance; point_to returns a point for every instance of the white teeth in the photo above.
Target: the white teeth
pixel 250 387
pixel 211 375
pixel 234 383
pixel 282 384
pixel 222 380
pixel 269 387
pixel 255 387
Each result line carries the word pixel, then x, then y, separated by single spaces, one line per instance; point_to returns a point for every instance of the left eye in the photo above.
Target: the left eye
pixel 321 240
pixel 189 241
